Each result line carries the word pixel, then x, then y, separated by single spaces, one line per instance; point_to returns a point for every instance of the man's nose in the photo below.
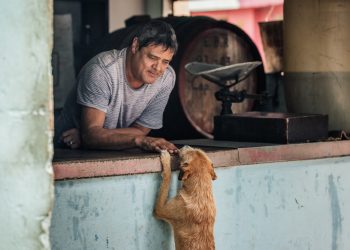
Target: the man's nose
pixel 157 66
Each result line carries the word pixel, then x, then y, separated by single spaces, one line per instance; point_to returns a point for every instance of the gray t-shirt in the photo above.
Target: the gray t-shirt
pixel 102 84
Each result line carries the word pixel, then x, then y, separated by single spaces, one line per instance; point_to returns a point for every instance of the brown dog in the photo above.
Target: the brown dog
pixel 192 211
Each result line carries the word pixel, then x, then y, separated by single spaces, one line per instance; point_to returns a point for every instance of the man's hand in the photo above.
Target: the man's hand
pixel 71 138
pixel 155 144
pixel 94 135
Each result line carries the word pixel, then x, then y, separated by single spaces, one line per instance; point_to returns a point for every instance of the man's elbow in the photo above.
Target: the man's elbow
pixel 141 130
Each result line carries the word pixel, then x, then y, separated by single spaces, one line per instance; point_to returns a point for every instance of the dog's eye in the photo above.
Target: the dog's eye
pixel 183 164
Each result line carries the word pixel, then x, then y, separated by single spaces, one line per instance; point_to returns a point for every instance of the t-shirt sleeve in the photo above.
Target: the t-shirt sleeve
pixel 152 116
pixel 93 88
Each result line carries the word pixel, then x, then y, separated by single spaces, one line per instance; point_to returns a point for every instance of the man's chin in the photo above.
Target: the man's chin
pixel 150 81
pixel 151 78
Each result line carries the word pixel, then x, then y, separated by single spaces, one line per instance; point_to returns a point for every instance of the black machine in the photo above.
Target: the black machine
pixel 254 126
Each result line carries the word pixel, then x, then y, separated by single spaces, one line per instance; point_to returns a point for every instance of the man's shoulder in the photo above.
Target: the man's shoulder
pixel 171 71
pixel 108 58
pixel 169 76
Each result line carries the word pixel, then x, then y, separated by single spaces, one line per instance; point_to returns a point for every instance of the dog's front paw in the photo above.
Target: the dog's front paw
pixel 165 159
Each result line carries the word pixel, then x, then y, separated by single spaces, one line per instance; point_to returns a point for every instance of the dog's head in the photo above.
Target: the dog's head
pixel 194 161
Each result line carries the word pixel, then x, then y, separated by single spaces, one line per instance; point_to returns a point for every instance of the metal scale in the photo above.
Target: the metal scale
pixel 254 126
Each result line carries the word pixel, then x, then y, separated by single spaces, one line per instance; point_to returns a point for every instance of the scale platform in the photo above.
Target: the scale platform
pixel 224 76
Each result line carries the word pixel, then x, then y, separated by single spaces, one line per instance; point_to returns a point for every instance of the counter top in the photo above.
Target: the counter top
pixel 71 164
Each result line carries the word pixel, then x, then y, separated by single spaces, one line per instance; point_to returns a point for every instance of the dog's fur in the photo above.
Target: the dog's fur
pixel 192 211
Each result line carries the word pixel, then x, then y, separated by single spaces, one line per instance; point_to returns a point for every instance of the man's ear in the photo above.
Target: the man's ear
pixel 134 45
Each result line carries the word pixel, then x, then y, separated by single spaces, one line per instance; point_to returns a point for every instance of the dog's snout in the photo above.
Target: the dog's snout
pixel 181 174
pixel 185 148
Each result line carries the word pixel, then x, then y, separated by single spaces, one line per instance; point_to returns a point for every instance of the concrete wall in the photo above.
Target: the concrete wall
pixel 26 186
pixel 290 205
pixel 317 59
pixel 119 10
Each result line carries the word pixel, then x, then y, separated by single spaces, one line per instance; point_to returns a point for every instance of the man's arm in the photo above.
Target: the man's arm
pixel 95 136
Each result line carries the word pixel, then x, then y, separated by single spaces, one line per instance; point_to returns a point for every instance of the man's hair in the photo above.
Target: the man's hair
pixel 158 33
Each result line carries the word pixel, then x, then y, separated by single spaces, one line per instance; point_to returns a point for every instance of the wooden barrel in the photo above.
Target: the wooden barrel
pixel 192 104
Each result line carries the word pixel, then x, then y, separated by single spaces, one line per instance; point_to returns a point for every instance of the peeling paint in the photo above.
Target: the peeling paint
pixel 336 213
pixel 75 226
pixel 297 202
pixel 26 114
pixel 269 180
pixel 238 186
pixel 45 227
pixel 292 216
pixel 252 208
pixel 133 192
pixel 229 191
pixel 266 211
pixel 316 182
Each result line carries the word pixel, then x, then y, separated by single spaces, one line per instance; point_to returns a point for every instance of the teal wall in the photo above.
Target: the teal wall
pixel 290 205
pixel 26 183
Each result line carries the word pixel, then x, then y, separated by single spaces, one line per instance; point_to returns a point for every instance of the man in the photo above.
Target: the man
pixel 121 95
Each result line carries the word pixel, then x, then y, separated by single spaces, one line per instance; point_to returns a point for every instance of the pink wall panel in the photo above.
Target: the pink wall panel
pixel 248 18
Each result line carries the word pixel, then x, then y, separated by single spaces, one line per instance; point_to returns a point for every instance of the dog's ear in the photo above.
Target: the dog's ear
pixel 186 171
pixel 212 173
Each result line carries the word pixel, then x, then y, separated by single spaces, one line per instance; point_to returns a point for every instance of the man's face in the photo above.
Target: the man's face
pixel 150 62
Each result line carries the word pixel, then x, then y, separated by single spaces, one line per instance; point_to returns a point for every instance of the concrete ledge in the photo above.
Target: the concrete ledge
pixel 294 152
pixel 71 164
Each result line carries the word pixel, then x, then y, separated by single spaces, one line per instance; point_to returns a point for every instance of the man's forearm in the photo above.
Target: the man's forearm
pixel 101 138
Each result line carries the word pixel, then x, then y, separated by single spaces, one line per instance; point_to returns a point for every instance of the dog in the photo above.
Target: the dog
pixel 192 211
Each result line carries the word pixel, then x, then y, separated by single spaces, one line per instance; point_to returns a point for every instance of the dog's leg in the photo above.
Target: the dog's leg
pixel 164 187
